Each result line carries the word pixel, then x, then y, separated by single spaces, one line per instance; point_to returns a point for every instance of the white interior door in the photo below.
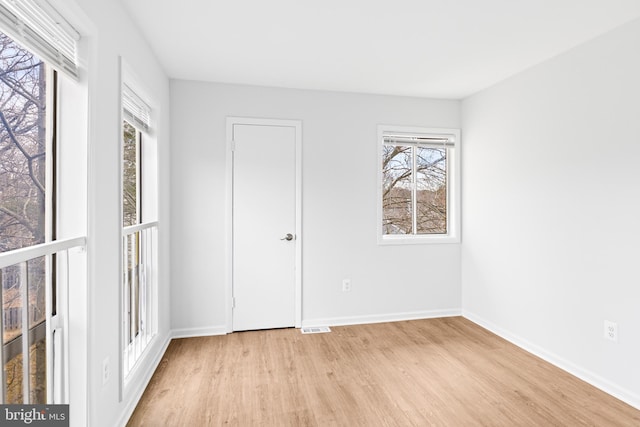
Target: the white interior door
pixel 264 226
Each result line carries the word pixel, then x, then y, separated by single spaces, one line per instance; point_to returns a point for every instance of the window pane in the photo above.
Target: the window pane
pixel 130 175
pixel 36 272
pixel 12 333
pixel 11 303
pixel 37 291
pixel 133 284
pixel 33 275
pixel 22 147
pixel 38 365
pixel 396 190
pixel 13 375
pixel 431 190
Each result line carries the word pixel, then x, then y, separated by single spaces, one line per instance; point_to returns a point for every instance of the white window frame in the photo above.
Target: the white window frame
pixel 66 180
pixel 453 187
pixel 135 110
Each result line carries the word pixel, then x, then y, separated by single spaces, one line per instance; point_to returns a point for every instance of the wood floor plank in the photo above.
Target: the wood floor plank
pixel 436 372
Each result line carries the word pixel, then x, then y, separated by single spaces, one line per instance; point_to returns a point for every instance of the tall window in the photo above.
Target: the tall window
pixel 25 215
pixel 139 232
pixel 418 188
pixel 37 53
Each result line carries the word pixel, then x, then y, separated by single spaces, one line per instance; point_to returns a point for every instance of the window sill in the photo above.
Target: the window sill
pixel 399 239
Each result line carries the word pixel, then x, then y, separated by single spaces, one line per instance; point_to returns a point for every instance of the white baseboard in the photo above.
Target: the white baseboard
pixel 382 318
pixel 133 395
pixel 575 370
pixel 198 332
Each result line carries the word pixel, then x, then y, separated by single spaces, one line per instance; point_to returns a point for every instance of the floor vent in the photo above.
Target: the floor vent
pixel 315 330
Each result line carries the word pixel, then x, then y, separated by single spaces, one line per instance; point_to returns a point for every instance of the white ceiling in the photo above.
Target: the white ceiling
pixel 431 48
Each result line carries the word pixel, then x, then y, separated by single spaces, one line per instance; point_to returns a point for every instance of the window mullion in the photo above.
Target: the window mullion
pixel 414 191
pixel 26 357
pixel 50 178
pixel 139 176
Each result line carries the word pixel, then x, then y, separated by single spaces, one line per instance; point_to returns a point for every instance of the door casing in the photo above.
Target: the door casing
pixel 297 125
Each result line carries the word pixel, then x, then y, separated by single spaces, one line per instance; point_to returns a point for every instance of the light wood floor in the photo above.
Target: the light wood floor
pixel 438 372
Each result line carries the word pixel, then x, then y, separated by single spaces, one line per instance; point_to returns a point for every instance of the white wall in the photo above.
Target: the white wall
pixel 339 206
pixel 109 36
pixel 550 197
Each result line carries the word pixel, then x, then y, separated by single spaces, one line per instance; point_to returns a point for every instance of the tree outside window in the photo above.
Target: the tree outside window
pixel 23 215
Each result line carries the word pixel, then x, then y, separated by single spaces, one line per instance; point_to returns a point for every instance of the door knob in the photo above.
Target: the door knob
pixel 288 237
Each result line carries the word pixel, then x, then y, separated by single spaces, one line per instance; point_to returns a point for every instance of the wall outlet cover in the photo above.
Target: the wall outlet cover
pixel 105 371
pixel 611 330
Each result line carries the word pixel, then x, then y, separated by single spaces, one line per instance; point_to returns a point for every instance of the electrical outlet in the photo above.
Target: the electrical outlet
pixel 611 330
pixel 346 285
pixel 105 371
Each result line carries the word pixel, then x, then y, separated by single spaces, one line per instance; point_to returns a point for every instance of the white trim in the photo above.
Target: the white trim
pixel 25 254
pixel 413 239
pixel 298 289
pixel 382 318
pixel 138 227
pixel 229 303
pixel 199 332
pixel 122 255
pixel 595 380
pixel 297 124
pixel 24 296
pixel 453 187
pixel 136 389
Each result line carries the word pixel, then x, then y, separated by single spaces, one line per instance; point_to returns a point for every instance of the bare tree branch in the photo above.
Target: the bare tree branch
pixel 23 151
pixel 19 218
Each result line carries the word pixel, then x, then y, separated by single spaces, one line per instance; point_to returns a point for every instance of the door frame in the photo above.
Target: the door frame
pixel 297 125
